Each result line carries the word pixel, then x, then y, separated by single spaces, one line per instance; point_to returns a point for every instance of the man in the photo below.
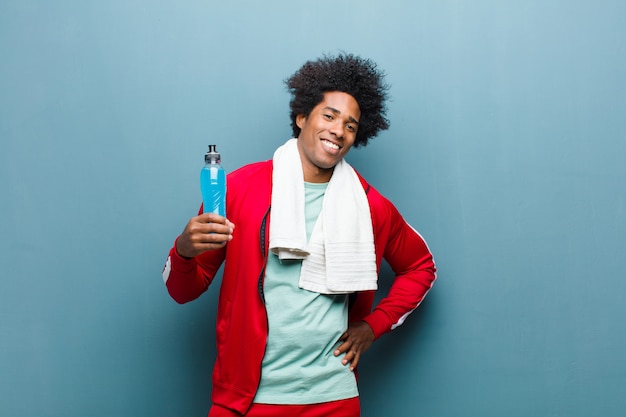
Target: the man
pixel 300 267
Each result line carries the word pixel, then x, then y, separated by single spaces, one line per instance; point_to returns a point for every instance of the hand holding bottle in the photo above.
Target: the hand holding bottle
pixel 210 230
pixel 207 231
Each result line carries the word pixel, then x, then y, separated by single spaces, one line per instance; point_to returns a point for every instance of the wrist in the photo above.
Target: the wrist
pixel 180 255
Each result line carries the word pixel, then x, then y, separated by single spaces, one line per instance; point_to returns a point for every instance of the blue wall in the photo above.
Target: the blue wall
pixel 506 151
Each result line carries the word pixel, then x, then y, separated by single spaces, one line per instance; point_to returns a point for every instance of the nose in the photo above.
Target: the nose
pixel 337 128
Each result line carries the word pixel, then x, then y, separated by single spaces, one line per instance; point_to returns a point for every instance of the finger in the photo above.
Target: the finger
pixel 202 228
pixel 352 358
pixel 211 218
pixel 343 347
pixel 213 234
pixel 199 238
pixel 355 361
pixel 212 239
pixel 216 219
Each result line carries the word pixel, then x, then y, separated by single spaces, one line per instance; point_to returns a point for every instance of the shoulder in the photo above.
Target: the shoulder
pixel 385 215
pixel 252 169
pixel 249 185
pixel 257 171
pixel 374 197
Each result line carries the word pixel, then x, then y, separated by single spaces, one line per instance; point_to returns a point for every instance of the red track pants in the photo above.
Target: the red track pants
pixel 342 408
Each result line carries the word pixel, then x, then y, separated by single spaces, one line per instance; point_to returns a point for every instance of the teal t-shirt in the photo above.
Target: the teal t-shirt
pixel 299 366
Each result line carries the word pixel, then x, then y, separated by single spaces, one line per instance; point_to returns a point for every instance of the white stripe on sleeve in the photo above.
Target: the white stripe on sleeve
pixel 167 269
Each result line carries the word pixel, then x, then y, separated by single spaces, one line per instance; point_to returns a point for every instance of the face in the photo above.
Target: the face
pixel 327 134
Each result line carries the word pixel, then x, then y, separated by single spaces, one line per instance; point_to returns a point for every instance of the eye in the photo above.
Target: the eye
pixel 328 116
pixel 351 127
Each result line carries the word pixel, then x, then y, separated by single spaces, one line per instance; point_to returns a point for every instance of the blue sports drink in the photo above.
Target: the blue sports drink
pixel 213 183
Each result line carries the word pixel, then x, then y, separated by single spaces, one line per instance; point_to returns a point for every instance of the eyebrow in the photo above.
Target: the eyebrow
pixel 334 110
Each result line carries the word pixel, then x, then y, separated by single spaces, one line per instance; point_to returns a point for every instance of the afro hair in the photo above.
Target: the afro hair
pixel 346 73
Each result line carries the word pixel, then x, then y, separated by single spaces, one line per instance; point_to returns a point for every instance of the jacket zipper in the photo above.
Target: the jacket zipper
pixel 263 245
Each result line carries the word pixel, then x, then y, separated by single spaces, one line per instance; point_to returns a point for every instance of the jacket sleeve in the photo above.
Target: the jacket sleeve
pixel 186 279
pixel 409 257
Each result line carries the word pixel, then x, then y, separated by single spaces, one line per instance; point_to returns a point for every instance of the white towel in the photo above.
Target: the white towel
pixel 340 255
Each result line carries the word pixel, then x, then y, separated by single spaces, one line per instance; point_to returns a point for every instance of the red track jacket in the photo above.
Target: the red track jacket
pixel 241 330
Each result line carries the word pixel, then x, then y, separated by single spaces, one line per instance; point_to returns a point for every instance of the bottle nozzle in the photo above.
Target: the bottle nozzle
pixel 212 154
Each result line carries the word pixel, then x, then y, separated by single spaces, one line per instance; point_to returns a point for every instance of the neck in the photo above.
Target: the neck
pixel 321 176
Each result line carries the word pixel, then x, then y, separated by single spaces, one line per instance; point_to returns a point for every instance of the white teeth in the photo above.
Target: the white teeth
pixel 331 145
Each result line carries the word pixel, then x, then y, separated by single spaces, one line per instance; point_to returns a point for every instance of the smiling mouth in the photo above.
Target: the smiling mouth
pixel 331 145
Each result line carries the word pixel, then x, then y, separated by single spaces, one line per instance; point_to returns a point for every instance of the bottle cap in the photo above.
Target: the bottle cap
pixel 212 154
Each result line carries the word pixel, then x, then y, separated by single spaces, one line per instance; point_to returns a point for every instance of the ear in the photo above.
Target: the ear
pixel 300 120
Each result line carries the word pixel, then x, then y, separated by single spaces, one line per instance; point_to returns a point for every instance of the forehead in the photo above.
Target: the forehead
pixel 341 102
